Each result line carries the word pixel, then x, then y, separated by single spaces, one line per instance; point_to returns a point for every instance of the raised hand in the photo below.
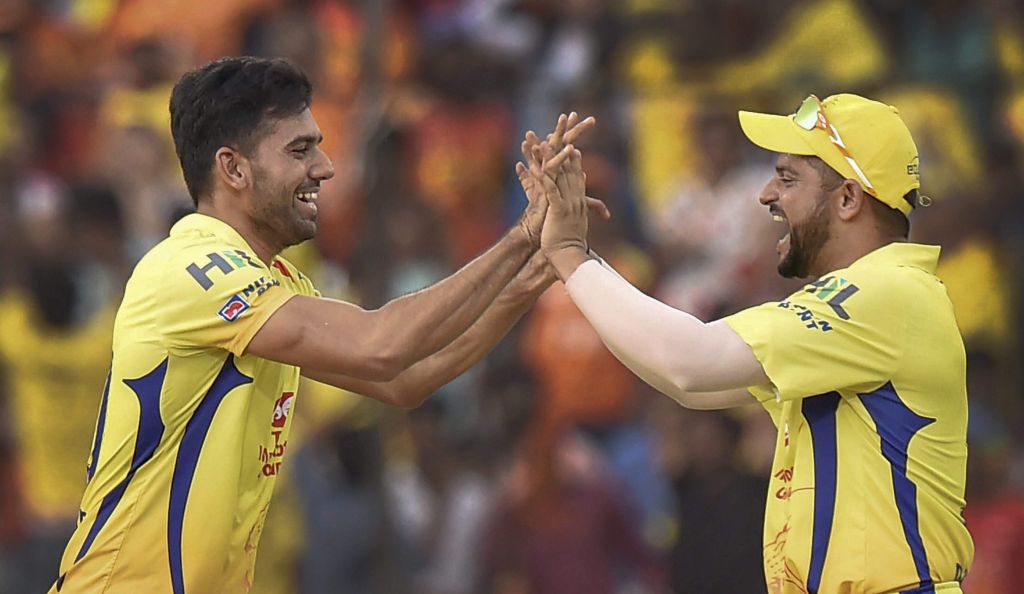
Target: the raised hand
pixel 567 129
pixel 564 182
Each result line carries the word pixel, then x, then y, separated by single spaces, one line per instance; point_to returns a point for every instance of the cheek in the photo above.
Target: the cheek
pixel 794 204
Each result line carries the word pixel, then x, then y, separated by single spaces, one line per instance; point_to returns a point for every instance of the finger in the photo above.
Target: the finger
pixel 560 126
pixel 541 156
pixel 556 201
pixel 531 139
pixel 536 168
pixel 576 131
pixel 555 138
pixel 576 167
pixel 572 120
pixel 521 170
pixel 552 165
pixel 599 207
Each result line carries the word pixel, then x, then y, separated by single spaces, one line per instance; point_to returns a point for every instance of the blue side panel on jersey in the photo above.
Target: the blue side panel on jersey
pixel 820 412
pixel 151 429
pixel 896 425
pixel 98 439
pixel 227 379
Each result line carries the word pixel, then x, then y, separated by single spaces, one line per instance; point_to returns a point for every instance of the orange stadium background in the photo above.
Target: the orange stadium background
pixel 548 467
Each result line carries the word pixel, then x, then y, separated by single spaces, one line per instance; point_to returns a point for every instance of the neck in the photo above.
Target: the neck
pixel 265 249
pixel 842 251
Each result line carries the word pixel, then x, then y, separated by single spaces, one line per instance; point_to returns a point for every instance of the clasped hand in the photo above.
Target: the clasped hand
pixel 555 185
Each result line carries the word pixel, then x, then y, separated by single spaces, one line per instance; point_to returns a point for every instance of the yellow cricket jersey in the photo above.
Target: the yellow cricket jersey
pixel 191 431
pixel 54 376
pixel 869 394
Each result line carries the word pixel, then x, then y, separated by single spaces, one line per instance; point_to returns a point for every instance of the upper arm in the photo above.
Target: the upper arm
pixel 669 349
pixel 204 296
pixel 717 400
pixel 834 334
pixel 327 335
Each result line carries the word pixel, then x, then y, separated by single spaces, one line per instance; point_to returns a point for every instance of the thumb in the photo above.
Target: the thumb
pixel 599 207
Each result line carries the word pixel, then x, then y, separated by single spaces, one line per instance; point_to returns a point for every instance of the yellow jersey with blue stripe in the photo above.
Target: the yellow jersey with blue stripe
pixel 869 394
pixel 191 430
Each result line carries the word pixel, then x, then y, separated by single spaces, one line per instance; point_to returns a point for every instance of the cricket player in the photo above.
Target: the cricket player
pixel 862 370
pixel 215 329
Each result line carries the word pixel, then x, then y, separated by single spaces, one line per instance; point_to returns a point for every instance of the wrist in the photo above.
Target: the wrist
pixel 566 259
pixel 522 238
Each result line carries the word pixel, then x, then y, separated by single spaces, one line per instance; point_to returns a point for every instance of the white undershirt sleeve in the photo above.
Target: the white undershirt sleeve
pixel 669 349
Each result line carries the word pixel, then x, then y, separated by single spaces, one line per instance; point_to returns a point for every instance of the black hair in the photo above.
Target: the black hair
pixel 227 103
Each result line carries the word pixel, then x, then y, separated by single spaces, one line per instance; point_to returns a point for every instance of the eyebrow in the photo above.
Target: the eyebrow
pixel 307 139
pixel 780 169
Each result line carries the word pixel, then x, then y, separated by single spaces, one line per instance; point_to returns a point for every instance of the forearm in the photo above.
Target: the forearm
pixel 669 349
pixel 424 322
pixel 413 385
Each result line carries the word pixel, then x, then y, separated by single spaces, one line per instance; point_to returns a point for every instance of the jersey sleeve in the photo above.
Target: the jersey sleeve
pixel 217 298
pixel 834 334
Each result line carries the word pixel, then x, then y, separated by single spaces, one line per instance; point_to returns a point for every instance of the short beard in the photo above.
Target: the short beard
pixel 806 242
pixel 278 221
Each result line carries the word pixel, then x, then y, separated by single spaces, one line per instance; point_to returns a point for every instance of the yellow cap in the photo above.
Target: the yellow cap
pixel 874 136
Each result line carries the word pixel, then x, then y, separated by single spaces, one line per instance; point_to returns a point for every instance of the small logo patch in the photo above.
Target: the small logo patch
pixel 234 308
pixel 282 408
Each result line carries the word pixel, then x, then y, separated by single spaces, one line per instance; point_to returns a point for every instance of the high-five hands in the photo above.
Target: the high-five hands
pixel 554 170
pixel 567 130
pixel 564 186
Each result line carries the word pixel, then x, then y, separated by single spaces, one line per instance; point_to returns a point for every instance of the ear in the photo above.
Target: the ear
pixel 232 168
pixel 850 200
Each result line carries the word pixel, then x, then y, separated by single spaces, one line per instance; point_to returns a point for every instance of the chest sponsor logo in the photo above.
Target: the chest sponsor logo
pixel 224 261
pixel 233 308
pixel 833 290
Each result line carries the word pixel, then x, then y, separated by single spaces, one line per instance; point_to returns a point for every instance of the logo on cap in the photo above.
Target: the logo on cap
pixel 233 308
pixel 914 168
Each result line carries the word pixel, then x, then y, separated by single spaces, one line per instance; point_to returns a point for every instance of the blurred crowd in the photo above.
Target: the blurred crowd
pixel 548 468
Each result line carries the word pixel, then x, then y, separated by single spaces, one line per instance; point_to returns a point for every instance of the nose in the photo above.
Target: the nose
pixel 323 169
pixel 769 193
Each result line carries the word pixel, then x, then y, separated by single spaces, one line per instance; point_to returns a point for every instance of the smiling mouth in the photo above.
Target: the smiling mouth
pixel 782 246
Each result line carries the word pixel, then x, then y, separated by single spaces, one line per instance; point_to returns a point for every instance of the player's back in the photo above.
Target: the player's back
pixel 191 431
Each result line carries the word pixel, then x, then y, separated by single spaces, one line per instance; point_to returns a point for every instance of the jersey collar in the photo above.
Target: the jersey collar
pixel 915 255
pixel 208 225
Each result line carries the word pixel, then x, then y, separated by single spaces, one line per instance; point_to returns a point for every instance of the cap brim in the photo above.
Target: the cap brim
pixel 776 133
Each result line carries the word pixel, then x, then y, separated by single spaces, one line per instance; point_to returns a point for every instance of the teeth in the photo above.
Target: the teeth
pixel 779 218
pixel 307 196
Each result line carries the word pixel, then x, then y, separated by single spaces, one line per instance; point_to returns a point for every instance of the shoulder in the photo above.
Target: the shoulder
pixel 890 287
pixel 294 277
pixel 195 273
